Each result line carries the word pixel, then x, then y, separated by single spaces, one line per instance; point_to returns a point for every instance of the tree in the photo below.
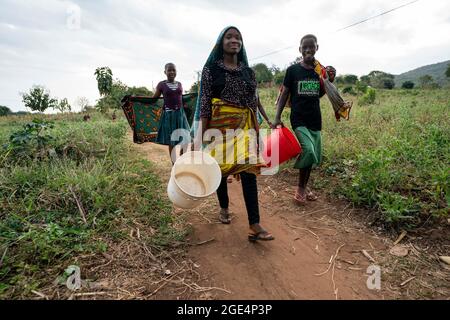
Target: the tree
pixel 380 79
pixel 104 80
pixel 274 69
pixel 408 85
pixel 349 90
pixel 4 111
pixel 278 77
pixel 388 83
pixel 114 98
pixel 350 79
pixel 139 91
pixel 365 80
pixel 426 81
pixel 339 80
pixel 38 99
pixel 63 105
pixel 447 73
pixel 262 73
pixel 119 90
pixel 82 102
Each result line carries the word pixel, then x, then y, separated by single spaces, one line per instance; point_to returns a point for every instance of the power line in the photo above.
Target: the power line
pixel 347 27
pixel 378 15
pixel 272 52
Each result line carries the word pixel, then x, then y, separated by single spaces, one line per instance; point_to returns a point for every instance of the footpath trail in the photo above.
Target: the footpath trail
pixel 317 253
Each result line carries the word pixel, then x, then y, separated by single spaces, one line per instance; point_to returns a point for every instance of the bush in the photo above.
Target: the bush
pixel 262 73
pixel 368 97
pixel 408 85
pixel 348 90
pixel 361 87
pixel 279 77
pixel 4 111
pixel 388 84
pixel 40 221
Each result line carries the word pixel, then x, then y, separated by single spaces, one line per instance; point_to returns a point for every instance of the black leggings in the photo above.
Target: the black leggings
pixel 250 191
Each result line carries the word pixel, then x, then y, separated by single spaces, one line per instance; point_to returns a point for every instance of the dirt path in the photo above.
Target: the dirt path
pixel 306 240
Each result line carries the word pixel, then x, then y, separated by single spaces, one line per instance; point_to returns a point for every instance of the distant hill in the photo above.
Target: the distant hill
pixel 437 71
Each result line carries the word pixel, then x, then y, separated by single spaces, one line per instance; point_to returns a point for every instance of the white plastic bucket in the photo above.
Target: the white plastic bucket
pixel 194 176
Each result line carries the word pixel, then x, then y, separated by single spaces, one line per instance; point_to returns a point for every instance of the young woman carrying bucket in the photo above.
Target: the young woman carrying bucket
pixel 228 100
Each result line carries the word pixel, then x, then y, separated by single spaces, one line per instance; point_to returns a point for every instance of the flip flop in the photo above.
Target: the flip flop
pixel 310 196
pixel 299 199
pixel 261 236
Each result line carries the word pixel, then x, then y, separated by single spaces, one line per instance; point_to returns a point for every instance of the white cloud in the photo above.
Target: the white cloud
pixel 136 38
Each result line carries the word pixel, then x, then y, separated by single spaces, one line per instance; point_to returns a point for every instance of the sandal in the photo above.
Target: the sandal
pixel 310 196
pixel 224 216
pixel 299 199
pixel 262 235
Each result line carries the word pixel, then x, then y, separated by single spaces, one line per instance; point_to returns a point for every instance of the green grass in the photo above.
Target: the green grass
pixel 392 155
pixel 41 227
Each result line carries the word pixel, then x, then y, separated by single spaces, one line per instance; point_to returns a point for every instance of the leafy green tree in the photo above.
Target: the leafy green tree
pixel 350 79
pixel 388 83
pixel 447 72
pixel 262 73
pixel 365 80
pixel 274 69
pixel 63 105
pixel 4 111
pixel 348 90
pixel 118 90
pixel 104 78
pixel 408 85
pixel 278 77
pixel 380 79
pixel 139 91
pixel 38 99
pixel 339 80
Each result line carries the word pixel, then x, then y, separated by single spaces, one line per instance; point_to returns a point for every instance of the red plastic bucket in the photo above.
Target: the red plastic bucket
pixel 280 146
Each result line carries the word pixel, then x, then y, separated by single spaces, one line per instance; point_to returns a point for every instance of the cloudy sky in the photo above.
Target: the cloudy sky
pixel 59 43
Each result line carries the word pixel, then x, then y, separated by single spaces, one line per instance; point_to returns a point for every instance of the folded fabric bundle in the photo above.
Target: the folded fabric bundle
pixel 144 113
pixel 341 108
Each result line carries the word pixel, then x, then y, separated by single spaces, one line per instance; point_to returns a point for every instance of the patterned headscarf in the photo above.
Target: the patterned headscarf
pixel 215 55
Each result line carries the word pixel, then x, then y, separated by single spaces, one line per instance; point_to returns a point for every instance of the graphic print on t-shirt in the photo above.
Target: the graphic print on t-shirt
pixel 308 87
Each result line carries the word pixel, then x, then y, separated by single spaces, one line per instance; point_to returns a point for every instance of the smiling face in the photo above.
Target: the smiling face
pixel 308 48
pixel 232 42
pixel 171 72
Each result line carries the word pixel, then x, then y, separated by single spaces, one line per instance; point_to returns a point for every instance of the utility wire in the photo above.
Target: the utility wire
pixel 347 27
pixel 378 15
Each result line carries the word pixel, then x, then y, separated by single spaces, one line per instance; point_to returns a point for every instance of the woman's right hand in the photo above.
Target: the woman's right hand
pixel 277 123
